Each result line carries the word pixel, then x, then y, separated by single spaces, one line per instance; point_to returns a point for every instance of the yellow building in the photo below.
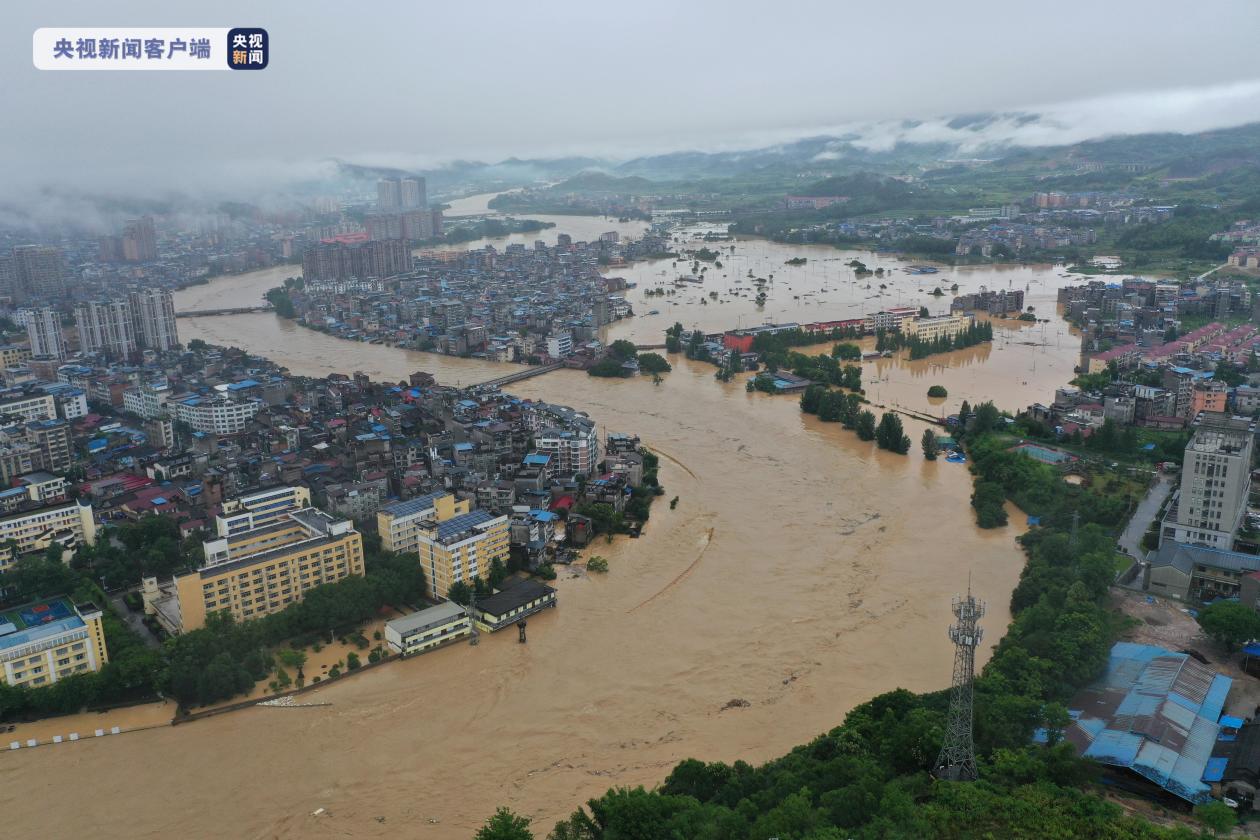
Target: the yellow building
pixel 45 641
pixel 400 523
pixel 260 571
pixel 429 628
pixel 461 548
pixel 262 507
pixel 13 355
pixel 930 329
pixel 69 524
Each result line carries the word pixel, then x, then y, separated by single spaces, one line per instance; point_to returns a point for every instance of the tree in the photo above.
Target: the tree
pixel 497 572
pixel 623 350
pixel 937 391
pixel 1230 623
pixel 890 434
pixel 460 593
pixel 653 363
pixel 505 825
pixel 930 447
pixel 866 425
pixel 1217 817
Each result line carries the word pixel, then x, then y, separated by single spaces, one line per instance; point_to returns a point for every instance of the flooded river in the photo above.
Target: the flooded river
pixel 803 571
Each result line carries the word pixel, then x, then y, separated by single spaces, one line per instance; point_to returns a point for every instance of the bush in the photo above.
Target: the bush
pixel 352 661
pixel 546 571
pixel 597 564
pixel 938 391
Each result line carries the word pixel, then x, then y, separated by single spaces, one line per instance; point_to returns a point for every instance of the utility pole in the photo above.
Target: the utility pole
pixel 957 761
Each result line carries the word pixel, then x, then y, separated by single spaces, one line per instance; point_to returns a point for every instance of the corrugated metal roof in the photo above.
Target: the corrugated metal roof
pixel 1155 713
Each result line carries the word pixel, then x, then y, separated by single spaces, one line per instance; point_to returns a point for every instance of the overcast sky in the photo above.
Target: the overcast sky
pixel 414 83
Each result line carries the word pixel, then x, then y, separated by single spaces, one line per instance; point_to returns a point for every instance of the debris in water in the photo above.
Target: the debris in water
pixel 737 703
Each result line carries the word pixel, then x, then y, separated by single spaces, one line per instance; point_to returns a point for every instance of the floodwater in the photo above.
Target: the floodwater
pixel 803 572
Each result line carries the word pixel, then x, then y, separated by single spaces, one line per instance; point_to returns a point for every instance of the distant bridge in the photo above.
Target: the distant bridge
pixel 649 347
pixel 209 313
pixel 535 370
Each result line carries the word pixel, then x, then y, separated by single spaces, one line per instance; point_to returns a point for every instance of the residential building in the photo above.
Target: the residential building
pixel 46 641
pixel 260 509
pixel 217 415
pixel 68 524
pixel 427 629
pixel 1215 483
pixel 260 571
pixel 573 451
pixel 39 271
pixel 29 405
pixel 412 194
pixel 400 523
pixel 461 548
pixel 106 326
pixel 153 311
pixel 43 331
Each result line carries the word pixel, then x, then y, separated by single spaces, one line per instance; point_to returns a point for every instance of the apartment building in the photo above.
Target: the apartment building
pixel 46 641
pixel 260 508
pixel 153 311
pixel 573 451
pixel 461 548
pixel 258 572
pixel 69 524
pixel 106 326
pixel 1215 483
pixel 29 405
pixel 43 331
pixel 217 415
pixel 400 523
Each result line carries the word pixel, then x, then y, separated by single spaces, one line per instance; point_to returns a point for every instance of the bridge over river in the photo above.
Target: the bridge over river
pixel 209 313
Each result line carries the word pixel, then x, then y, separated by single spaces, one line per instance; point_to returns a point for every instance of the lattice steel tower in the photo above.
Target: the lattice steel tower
pixel 957 761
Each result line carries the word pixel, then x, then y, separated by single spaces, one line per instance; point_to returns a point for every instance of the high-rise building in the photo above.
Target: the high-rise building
pixel 154 314
pixel 39 271
pixel 388 195
pixel 139 240
pixel 412 194
pixel 43 329
pixel 355 257
pixel 1215 483
pixel 106 326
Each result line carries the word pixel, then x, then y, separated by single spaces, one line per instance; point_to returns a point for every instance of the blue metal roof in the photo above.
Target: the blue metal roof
pixel 1154 712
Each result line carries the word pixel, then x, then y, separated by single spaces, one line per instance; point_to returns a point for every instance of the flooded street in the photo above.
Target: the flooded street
pixel 803 572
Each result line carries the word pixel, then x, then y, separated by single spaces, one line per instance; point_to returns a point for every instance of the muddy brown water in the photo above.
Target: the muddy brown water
pixel 803 571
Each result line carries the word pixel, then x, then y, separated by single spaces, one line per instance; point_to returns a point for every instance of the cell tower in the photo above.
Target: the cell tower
pixel 957 761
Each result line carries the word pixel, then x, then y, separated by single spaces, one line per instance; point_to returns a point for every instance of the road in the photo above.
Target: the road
pixel 133 620
pixel 1131 539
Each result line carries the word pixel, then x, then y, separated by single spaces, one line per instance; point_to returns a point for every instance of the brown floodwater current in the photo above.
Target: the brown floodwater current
pixel 803 571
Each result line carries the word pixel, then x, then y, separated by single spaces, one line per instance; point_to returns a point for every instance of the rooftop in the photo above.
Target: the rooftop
pixel 38 620
pixel 1154 712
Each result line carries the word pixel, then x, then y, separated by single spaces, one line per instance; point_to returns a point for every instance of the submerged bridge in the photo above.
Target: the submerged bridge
pixel 208 313
pixel 537 370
